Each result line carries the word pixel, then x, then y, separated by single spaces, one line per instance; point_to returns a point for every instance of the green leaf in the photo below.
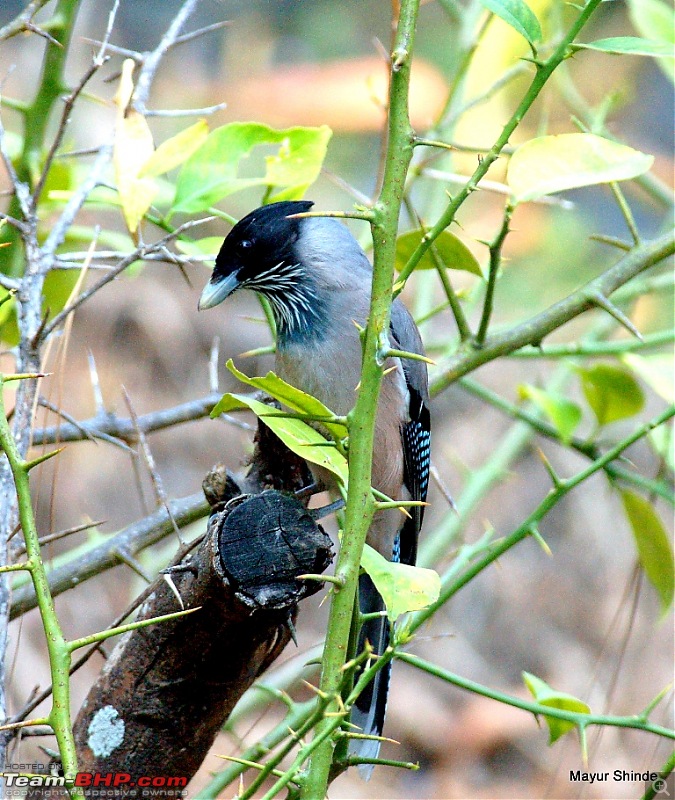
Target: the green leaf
pixel 658 371
pixel 298 162
pixel 402 586
pixel 294 398
pixel 547 696
pixel 175 150
pixel 654 19
pixel 653 546
pixel 133 146
pixel 518 15
pixel 563 413
pixel 612 392
pixel 550 164
pixel 629 45
pixel 297 435
pixel 211 173
pixel 453 253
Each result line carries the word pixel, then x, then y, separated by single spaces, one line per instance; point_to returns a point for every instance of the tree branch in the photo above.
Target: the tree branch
pixel 468 357
pixel 109 425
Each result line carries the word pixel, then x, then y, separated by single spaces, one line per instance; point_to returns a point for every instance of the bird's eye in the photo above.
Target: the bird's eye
pixel 245 244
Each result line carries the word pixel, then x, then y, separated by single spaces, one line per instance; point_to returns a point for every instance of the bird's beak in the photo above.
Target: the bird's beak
pixel 216 291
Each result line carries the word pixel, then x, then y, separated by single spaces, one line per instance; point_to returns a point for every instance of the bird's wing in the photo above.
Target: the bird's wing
pixel 416 432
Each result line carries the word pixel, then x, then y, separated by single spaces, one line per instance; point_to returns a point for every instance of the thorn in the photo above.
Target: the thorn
pixel 604 303
pixel 308 491
pixel 534 533
pixel 444 489
pixel 28 465
pixel 583 745
pixel 553 475
pixel 169 582
pixel 95 384
pixel 291 628
pixel 410 356
pixel 132 563
pixel 324 511
pixel 315 689
pixel 25 376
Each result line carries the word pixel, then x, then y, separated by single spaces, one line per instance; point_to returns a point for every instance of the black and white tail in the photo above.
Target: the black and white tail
pixel 369 710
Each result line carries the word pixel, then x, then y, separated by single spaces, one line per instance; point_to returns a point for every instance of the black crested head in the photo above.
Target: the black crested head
pixel 261 239
pixel 259 253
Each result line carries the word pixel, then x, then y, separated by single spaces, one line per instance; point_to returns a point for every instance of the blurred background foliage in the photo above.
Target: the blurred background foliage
pixel 584 620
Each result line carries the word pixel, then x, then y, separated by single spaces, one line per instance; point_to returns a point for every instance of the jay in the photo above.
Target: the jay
pixel 318 283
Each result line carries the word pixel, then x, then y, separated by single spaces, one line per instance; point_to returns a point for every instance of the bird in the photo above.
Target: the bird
pixel 317 280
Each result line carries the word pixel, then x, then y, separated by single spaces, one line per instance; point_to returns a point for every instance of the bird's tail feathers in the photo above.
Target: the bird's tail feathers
pixel 369 709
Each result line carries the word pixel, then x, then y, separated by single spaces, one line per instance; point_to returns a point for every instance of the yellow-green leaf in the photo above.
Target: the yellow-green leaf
pixel 175 150
pixel 630 45
pixel 658 371
pixel 655 19
pixel 297 435
pixel 550 164
pixel 518 15
pixel 133 147
pixel 653 545
pixel 563 413
pixel 611 391
pixel 402 586
pixel 451 251
pixel 294 398
pixel 211 172
pixel 545 695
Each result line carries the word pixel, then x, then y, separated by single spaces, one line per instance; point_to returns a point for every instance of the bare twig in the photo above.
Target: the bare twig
pixel 215 26
pixel 150 463
pixel 130 541
pixel 186 112
pixel 106 424
pixel 493 186
pixel 105 42
pixel 23 22
pixel 136 255
pixel 91 435
pixel 72 209
pixel 53 537
pixel 152 60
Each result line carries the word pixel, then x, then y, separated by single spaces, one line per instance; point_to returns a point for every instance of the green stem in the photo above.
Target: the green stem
pixel 495 262
pixel 57 646
pixel 625 211
pixel 532 331
pixel 360 503
pixel 296 717
pixel 451 585
pixel 543 73
pixel 586 448
pixel 599 349
pixel 664 774
pixel 579 719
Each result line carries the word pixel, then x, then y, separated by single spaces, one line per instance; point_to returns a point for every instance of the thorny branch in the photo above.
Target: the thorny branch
pixel 138 254
pixel 23 22
pixel 106 424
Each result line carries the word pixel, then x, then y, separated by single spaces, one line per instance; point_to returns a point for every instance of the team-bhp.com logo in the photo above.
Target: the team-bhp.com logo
pixel 96 780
